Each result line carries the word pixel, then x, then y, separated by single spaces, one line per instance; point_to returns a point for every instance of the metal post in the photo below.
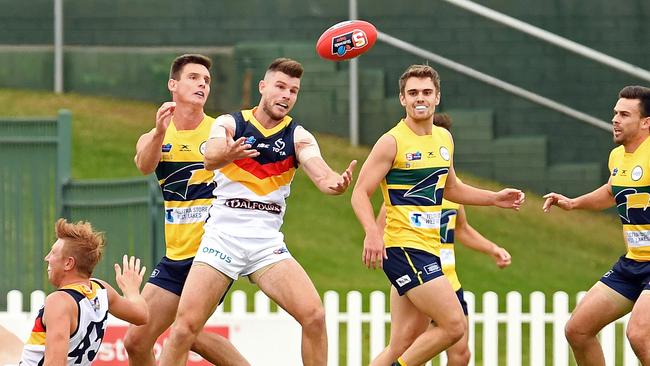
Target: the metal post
pixel 58 46
pixel 64 147
pixel 354 88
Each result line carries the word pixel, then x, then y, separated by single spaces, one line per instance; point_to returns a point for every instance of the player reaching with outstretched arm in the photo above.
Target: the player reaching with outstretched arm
pixel 70 327
pixel 257 153
pixel 625 287
pixel 174 149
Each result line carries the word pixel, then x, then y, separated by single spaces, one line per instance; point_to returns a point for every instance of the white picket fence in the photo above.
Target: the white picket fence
pixel 512 327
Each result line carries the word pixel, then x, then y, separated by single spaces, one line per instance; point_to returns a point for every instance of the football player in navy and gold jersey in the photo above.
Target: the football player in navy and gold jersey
pixel 454 228
pixel 70 327
pixel 174 149
pixel 413 162
pixel 256 153
pixel 626 286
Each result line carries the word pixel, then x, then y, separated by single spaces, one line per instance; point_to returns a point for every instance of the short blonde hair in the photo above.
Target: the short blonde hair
pixel 82 243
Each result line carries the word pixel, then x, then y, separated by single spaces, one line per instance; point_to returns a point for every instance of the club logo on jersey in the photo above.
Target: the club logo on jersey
pixel 446 228
pixel 444 153
pixel 630 199
pixel 343 43
pixel 428 187
pixel 202 147
pixel 403 280
pixel 167 148
pixel 414 156
pixel 637 173
pixel 177 183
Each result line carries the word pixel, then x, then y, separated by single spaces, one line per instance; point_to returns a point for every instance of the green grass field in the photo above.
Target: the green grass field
pixel 561 251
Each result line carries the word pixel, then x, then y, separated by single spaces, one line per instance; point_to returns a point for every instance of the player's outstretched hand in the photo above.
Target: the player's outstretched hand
pixel 501 257
pixel 510 198
pixel 558 200
pixel 164 116
pixel 239 149
pixel 130 276
pixel 374 251
pixel 345 179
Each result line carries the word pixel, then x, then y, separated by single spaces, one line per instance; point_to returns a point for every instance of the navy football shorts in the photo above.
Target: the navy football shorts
pixel 628 277
pixel 407 268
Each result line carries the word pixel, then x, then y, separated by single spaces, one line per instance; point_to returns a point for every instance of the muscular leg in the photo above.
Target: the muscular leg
pixel 599 307
pixel 407 323
pixel 139 340
pixel 287 283
pixel 203 289
pixel 437 300
pixel 638 328
pixel 459 354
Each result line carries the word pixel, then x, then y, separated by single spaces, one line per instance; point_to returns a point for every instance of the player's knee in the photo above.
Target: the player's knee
pixel 458 357
pixel 455 329
pixel 313 318
pixel 574 333
pixel 639 337
pixel 135 344
pixel 184 331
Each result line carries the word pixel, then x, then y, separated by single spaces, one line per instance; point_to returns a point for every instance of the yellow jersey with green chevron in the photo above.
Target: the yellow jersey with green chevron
pixel 447 231
pixel 630 178
pixel 186 187
pixel 413 188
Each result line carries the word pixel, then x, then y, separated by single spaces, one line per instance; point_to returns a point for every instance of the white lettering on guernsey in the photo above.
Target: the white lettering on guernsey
pixel 403 280
pixel 637 239
pixel 425 220
pixel 186 215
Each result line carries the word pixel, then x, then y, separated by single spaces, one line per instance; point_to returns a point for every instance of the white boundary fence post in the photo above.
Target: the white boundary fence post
pixel 560 317
pixel 490 329
pixel 537 328
pixel 513 328
pixel 353 348
pixel 471 309
pixel 331 304
pixel 377 323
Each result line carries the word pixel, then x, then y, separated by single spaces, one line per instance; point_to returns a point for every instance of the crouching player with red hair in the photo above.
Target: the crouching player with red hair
pixel 70 326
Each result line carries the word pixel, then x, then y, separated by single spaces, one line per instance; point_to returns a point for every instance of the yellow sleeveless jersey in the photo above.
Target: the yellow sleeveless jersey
pixel 630 178
pixel 447 240
pixel 186 187
pixel 413 188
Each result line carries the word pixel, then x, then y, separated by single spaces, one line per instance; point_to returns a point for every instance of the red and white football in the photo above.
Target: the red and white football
pixel 346 40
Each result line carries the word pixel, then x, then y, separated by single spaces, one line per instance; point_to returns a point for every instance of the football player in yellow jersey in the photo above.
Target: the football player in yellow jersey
pixel 173 149
pixel 626 286
pixel 458 229
pixel 242 236
pixel 413 162
pixel 70 326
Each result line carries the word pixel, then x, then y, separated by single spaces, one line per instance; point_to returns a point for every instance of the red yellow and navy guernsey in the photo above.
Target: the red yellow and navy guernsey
pixel 250 193
pixel 413 188
pixel 86 340
pixel 186 188
pixel 630 179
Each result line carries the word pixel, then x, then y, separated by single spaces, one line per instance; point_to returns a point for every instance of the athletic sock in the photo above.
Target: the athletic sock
pixel 399 362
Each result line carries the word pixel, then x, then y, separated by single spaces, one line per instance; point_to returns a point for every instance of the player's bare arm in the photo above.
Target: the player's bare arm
pixel 60 318
pixel 598 199
pixel 131 307
pixel 221 149
pixel 147 150
pixel 471 238
pixel 375 168
pixel 459 192
pixel 320 173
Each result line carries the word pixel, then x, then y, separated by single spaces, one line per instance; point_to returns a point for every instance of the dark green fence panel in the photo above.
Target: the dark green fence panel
pixel 32 152
pixel 123 210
